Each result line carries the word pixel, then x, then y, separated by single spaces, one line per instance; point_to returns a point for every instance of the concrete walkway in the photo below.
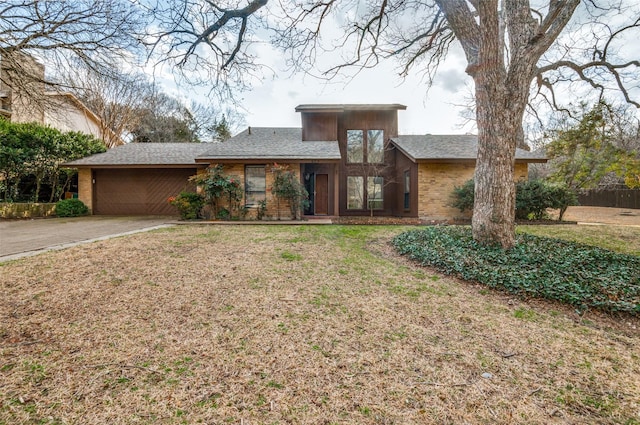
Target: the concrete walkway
pixel 23 238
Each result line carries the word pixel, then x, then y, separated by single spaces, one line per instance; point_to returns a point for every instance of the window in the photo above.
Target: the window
pixel 375 196
pixel 407 189
pixel 360 150
pixel 355 192
pixel 355 146
pixel 255 184
pixel 375 146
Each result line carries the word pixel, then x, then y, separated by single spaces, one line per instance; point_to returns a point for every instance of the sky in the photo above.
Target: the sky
pixel 436 111
pixel 271 101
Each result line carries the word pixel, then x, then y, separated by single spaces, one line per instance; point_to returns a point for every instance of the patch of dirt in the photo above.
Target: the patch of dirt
pixel 618 216
pixel 292 324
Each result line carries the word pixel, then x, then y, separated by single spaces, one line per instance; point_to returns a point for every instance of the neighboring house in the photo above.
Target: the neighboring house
pixel 67 113
pixel 23 98
pixel 349 157
pixel 21 88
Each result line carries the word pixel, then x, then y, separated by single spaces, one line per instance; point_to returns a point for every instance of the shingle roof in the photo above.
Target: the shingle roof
pixel 145 154
pixel 272 143
pixel 266 143
pixel 450 147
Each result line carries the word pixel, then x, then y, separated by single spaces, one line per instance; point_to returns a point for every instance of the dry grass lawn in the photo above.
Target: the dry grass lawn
pixel 294 325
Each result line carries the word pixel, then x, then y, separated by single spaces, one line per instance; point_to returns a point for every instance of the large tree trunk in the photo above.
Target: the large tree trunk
pixel 494 208
pixel 499 119
pixel 501 95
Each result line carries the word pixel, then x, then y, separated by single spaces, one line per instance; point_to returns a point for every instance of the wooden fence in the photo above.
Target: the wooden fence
pixel 617 198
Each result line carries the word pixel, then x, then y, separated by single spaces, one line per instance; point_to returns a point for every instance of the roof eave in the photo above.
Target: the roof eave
pixel 206 160
pixel 517 160
pixel 120 165
pixel 350 107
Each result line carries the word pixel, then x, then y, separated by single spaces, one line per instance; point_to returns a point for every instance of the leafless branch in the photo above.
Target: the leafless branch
pixel 581 72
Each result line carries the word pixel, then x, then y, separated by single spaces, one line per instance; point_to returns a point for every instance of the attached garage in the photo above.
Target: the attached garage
pixel 138 191
pixel 137 179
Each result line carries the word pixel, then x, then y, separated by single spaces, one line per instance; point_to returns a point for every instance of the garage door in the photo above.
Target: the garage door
pixel 138 191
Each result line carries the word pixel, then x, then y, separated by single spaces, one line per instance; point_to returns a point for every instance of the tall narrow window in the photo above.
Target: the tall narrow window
pixel 255 184
pixel 375 146
pixel 355 192
pixel 375 196
pixel 407 189
pixel 355 146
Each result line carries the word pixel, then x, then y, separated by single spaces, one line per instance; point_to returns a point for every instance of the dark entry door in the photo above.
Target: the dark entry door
pixel 322 194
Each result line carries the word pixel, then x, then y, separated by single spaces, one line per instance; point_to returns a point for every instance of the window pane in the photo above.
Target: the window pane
pixel 407 189
pixel 255 184
pixel 375 186
pixel 355 192
pixel 355 146
pixel 375 146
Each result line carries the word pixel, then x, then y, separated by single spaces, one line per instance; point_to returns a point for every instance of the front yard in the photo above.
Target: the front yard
pixel 294 324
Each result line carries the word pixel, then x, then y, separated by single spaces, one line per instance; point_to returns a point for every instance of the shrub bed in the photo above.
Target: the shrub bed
pixel 579 275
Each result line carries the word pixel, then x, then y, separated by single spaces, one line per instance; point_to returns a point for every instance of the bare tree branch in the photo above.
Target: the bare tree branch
pixel 580 70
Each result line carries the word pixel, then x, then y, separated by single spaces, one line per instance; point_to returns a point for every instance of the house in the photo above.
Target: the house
pixel 66 112
pixel 24 98
pixel 350 159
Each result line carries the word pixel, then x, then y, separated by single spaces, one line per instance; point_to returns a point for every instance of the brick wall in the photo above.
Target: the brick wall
pixel 275 209
pixel 85 187
pixel 436 182
pixel 522 171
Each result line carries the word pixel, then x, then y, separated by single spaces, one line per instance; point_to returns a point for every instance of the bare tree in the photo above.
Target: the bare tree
pixel 98 33
pixel 213 125
pixel 510 46
pixel 114 95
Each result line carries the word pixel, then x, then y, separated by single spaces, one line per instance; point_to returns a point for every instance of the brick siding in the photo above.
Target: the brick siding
pixel 436 182
pixel 85 187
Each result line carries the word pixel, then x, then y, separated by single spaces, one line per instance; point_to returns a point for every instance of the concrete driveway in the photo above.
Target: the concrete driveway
pixel 22 238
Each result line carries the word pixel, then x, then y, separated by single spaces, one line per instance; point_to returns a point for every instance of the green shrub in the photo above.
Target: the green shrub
pixel 262 209
pixel 576 274
pixel 223 192
pixel 189 204
pixel 533 198
pixel 287 186
pixel 562 198
pixel 223 214
pixel 463 196
pixel 71 208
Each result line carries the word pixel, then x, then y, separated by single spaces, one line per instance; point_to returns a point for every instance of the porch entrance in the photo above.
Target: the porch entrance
pixel 317 185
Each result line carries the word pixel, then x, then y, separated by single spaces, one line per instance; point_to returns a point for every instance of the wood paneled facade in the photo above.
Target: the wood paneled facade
pixel 326 123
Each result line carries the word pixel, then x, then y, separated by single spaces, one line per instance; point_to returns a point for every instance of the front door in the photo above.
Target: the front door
pixel 321 198
pixel 309 185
